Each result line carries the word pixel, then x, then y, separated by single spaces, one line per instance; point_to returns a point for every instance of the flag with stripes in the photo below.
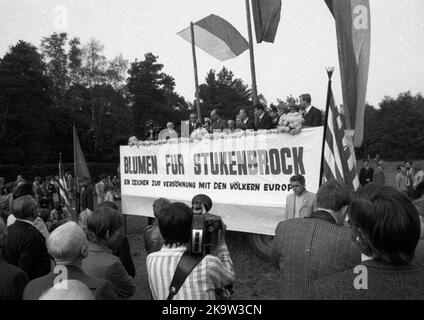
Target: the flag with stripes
pixel 339 153
pixel 63 187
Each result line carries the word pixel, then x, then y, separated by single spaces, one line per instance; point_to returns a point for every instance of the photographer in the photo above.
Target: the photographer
pixel 212 273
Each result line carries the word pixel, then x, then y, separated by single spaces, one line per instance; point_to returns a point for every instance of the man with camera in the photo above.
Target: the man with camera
pixel 183 269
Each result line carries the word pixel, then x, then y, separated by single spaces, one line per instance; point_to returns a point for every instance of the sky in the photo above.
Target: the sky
pixel 294 64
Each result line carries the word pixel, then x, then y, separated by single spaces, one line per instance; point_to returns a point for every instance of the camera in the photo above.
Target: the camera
pixel 205 225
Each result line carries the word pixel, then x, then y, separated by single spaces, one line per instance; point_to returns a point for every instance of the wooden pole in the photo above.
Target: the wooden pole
pixel 330 71
pixel 196 80
pixel 252 57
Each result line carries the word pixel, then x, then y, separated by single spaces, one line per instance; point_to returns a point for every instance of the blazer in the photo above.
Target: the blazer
pixel 101 289
pixel 306 209
pixel 26 249
pixel 12 281
pixel 191 128
pixel 265 122
pixel 249 124
pixel 101 263
pixel 313 118
pixel 307 249
pixel 385 282
pixel 220 124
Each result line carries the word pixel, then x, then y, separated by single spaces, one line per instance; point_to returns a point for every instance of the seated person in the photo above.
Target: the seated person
pixel 212 273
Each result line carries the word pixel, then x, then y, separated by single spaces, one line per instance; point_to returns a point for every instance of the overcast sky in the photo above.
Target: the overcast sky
pixel 305 43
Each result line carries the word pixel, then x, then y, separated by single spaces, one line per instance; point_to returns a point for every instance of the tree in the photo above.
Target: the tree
pixel 224 92
pixel 24 105
pixel 152 96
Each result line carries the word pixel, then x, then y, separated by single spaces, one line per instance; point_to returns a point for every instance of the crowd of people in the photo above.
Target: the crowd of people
pixel 318 246
pixel 262 119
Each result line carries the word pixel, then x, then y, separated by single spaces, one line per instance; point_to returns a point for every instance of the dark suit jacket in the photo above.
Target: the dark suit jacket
pixel 248 125
pixel 274 123
pixel 219 124
pixel 101 263
pixel 12 281
pixel 307 249
pixel 101 289
pixel 86 198
pixel 365 174
pixel 121 249
pixel 26 249
pixel 191 128
pixel 385 282
pixel 313 118
pixel 265 122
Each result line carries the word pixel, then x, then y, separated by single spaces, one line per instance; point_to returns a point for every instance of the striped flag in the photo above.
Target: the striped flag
pixel 63 187
pixel 217 37
pixel 339 153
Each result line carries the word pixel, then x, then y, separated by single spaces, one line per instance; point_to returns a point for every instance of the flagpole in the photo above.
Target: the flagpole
pixel 252 57
pixel 196 80
pixel 330 71
pixel 77 199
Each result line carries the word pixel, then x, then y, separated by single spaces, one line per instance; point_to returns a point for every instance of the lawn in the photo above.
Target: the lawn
pixel 256 279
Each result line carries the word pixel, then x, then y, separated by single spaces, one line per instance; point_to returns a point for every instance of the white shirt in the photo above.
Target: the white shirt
pixel 307 109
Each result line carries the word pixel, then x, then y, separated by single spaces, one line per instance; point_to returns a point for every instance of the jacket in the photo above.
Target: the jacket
pixel 265 123
pixel 12 281
pixel 306 209
pixel 313 118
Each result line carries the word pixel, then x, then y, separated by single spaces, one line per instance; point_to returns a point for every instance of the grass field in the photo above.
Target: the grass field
pixel 256 279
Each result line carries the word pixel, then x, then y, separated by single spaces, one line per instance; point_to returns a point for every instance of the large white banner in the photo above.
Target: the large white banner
pixel 247 177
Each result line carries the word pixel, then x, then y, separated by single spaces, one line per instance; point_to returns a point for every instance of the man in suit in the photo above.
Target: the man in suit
pixel 245 122
pixel 410 173
pixel 217 122
pixel 307 249
pixel 193 123
pixel 12 279
pixel 26 245
pixel 68 245
pixel 301 202
pixel 273 113
pixel 100 189
pixel 264 120
pixel 366 173
pixel 313 117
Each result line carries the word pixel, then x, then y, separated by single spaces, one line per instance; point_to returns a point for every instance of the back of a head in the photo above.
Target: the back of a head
pixel 25 207
pixel 333 195
pixel 68 290
pixel 109 204
pixel 66 243
pixel 104 222
pixel 389 222
pixel 23 190
pixel 175 223
pixel 160 204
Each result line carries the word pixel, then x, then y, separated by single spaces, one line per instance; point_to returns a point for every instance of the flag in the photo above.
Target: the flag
pixel 266 16
pixel 81 169
pixel 339 154
pixel 353 28
pixel 63 187
pixel 217 37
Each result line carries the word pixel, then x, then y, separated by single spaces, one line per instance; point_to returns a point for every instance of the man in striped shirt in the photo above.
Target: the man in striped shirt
pixel 213 272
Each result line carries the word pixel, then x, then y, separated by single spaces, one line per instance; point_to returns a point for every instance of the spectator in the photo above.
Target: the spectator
pixel 100 189
pixel 194 123
pixel 301 202
pixel 26 245
pixel 207 125
pixel 211 273
pixel 102 227
pixel 121 246
pixel 68 245
pixel 69 290
pixel 86 195
pixel 12 279
pixel 386 226
pixel 231 127
pixel 379 177
pixel 264 121
pixel 418 177
pixel 6 202
pixel 366 173
pixel 410 173
pixel 153 240
pixel 108 188
pixel 273 113
pixel 217 122
pixel 313 117
pixel 307 249
pixel 245 122
pixel 401 180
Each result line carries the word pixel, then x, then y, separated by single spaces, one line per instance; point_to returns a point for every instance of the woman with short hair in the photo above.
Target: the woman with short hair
pixel 102 228
pixel 386 225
